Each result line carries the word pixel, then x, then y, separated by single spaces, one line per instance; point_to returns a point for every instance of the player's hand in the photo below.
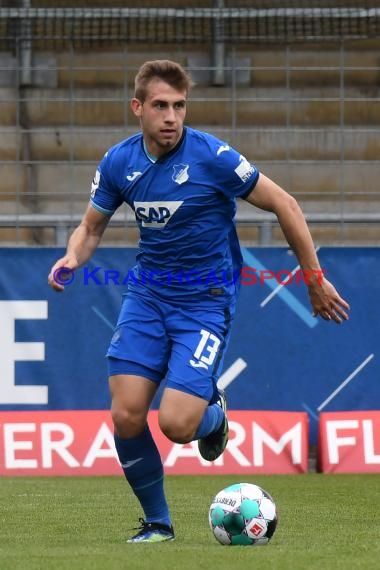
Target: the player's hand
pixel 327 303
pixel 62 273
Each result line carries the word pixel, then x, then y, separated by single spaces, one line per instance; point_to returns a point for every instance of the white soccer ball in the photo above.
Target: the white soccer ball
pixel 243 514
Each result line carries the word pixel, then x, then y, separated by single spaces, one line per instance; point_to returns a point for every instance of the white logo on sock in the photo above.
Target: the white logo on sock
pixel 128 464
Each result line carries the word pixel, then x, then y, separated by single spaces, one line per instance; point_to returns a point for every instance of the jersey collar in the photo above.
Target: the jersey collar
pixel 164 157
pixel 151 157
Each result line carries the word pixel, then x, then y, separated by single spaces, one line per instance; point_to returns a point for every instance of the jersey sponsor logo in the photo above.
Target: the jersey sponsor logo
pixel 95 183
pixel 134 175
pixel 222 148
pixel 245 169
pixel 156 215
pixel 180 174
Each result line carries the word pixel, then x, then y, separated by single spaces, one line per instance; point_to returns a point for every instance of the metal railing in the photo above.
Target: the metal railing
pixel 63 225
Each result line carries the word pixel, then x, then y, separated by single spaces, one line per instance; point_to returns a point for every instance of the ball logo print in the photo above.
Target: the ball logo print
pixel 256 529
pixel 243 514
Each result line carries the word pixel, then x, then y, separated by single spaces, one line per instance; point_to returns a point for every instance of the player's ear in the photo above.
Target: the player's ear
pixel 136 107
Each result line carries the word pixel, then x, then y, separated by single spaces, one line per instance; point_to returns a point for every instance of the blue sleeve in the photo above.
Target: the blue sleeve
pixel 105 197
pixel 233 174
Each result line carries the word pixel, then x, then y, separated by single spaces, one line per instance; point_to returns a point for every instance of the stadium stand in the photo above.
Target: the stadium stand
pixel 293 84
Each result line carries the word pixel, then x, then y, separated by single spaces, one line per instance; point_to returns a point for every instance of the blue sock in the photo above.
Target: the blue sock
pixel 211 421
pixel 144 471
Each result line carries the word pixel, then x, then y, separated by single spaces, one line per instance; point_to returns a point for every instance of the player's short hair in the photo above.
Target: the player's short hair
pixel 169 71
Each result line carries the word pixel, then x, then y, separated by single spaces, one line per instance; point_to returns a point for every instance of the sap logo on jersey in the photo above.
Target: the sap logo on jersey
pixel 155 215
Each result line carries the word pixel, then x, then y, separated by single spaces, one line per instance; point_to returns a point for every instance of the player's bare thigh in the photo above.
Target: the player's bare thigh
pixel 180 414
pixel 131 398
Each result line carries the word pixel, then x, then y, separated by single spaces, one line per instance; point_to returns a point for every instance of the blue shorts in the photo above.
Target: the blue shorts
pixel 184 346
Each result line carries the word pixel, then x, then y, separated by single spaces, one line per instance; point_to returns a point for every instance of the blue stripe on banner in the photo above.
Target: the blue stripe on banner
pixel 284 294
pixel 310 412
pixel 102 317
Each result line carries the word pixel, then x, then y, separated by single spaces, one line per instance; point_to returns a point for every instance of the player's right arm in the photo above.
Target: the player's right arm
pixel 81 245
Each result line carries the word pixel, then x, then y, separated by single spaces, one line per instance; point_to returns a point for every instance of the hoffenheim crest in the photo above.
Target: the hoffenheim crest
pixel 180 174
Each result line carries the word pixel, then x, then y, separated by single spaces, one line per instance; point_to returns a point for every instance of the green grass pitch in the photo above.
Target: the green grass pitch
pixel 326 522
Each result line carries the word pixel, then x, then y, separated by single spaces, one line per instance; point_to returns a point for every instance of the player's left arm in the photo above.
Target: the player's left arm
pixel 324 298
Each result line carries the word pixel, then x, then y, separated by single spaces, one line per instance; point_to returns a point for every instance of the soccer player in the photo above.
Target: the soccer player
pixel 175 320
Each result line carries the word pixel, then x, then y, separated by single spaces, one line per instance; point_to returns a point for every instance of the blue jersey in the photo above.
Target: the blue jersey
pixel 184 204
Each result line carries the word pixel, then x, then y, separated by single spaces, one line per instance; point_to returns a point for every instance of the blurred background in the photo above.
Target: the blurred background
pixel 293 84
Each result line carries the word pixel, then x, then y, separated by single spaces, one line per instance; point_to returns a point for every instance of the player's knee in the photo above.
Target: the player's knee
pixel 176 430
pixel 127 424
